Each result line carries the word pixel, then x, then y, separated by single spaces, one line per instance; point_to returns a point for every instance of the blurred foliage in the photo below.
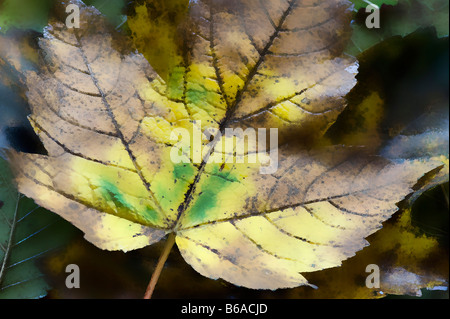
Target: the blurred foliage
pixel 19 51
pixel 24 14
pixel 405 78
pixel 34 14
pixel 112 9
pixel 398 20
pixel 364 3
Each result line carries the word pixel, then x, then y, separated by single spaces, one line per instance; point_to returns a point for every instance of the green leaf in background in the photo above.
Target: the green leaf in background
pixel 27 232
pixel 24 14
pixel 112 9
pixel 399 20
pixel 364 3
pixel 34 14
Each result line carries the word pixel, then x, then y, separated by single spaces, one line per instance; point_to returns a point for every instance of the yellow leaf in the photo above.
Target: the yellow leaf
pixel 106 118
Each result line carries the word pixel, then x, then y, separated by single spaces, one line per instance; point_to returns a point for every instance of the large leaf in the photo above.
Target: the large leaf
pixel 270 64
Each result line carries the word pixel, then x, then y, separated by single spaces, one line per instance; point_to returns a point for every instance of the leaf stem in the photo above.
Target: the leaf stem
pixel 159 266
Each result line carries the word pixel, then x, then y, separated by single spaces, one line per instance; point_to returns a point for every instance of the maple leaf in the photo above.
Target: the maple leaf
pixel 106 117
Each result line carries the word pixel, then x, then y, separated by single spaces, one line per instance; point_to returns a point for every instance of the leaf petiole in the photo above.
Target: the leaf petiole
pixel 159 266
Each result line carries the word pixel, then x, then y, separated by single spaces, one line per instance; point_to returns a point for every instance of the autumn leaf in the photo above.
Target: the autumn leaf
pixel 106 117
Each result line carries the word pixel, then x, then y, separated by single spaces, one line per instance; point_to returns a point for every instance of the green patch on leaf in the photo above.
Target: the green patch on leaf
pixel 112 194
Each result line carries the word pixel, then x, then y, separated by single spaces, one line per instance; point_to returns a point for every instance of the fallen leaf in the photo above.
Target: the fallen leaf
pixel 272 64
